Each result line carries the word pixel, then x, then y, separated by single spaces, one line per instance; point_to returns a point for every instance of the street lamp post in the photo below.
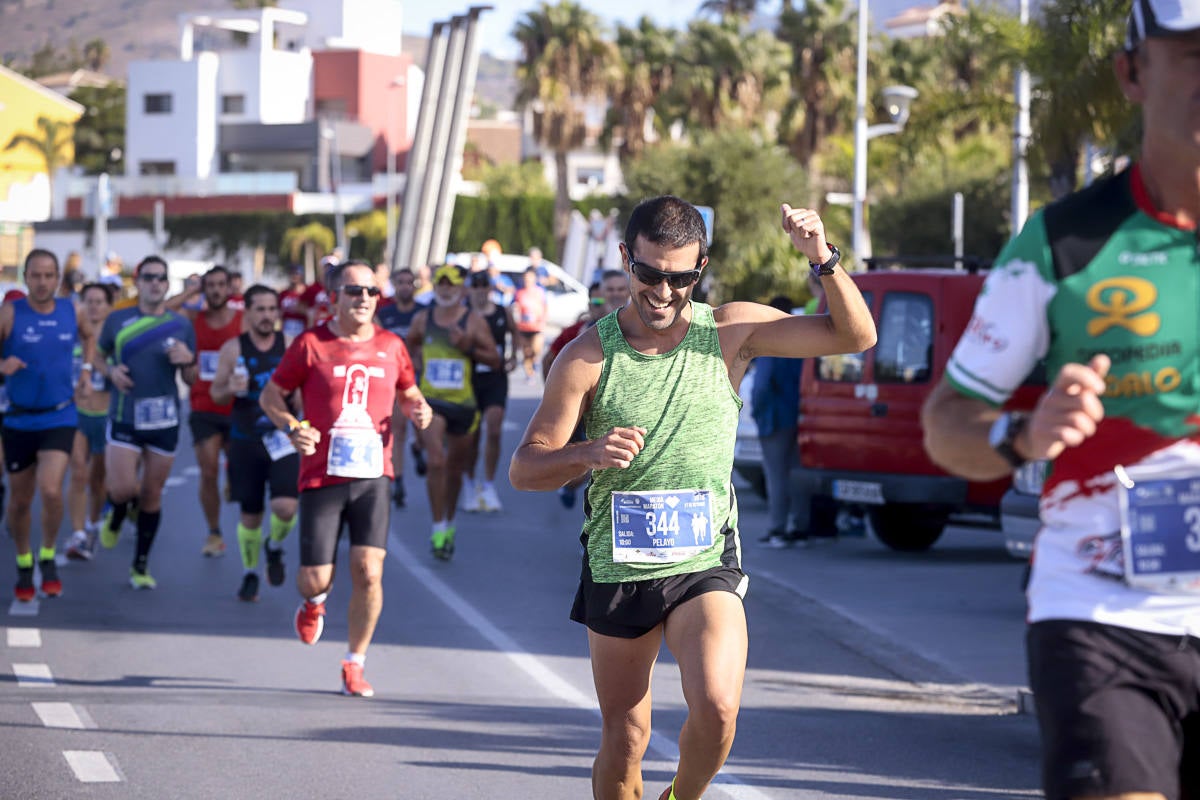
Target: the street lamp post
pixel 898 99
pixel 329 134
pixel 396 83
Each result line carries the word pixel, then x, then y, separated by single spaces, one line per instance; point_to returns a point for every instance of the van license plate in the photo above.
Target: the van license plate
pixel 858 492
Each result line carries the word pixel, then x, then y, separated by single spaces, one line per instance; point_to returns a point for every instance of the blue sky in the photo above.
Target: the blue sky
pixel 495 26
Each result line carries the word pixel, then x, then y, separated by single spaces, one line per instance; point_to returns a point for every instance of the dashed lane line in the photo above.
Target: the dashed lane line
pixel 92 766
pixel 33 675
pixel 24 637
pixel 59 715
pixel 27 608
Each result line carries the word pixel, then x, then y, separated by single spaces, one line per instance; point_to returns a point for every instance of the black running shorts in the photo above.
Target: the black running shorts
pixel 251 470
pixel 491 389
pixel 1119 710
pixel 162 440
pixel 21 447
pixel 632 609
pixel 207 424
pixel 460 420
pixel 364 504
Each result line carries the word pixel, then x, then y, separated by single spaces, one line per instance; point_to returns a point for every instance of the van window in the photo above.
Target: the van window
pixel 848 367
pixel 905 350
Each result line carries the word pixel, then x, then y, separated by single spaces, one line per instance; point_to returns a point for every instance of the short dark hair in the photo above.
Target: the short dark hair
pixel 109 291
pixel 334 281
pixel 783 303
pixel 402 271
pixel 667 221
pixel 611 273
pixel 257 289
pixel 40 252
pixel 151 259
pixel 217 270
pixel 479 279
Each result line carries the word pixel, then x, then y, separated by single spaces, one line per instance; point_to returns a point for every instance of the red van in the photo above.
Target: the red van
pixel 860 431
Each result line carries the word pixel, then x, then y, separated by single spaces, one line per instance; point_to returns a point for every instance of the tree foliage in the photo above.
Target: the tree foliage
pixel 51 142
pixel 100 132
pixel 744 179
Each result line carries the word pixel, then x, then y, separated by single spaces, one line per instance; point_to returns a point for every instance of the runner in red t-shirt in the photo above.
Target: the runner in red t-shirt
pixel 350 373
pixel 208 421
pixel 291 305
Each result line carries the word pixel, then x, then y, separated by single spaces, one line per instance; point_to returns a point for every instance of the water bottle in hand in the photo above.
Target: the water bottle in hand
pixel 242 377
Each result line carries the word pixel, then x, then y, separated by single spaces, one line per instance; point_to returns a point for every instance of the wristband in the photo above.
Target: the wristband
pixel 821 270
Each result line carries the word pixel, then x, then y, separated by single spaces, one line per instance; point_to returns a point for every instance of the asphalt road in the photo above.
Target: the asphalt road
pixel 871 675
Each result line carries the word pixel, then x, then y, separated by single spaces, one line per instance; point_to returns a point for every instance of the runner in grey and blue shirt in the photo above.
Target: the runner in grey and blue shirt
pixel 142 349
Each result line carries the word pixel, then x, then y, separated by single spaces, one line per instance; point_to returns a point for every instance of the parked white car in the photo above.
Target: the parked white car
pixel 568 298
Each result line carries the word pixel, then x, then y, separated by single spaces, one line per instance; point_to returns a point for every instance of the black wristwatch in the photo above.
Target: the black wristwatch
pixel 1003 436
pixel 820 270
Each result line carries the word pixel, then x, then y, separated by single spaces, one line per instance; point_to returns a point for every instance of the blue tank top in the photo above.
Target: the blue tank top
pixel 42 393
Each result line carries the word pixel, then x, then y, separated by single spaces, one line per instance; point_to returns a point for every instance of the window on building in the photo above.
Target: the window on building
pixel 156 103
pixel 331 108
pixel 233 104
pixel 157 168
pixel 589 176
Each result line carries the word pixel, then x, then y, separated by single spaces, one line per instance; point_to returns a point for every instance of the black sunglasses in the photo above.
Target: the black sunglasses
pixel 154 276
pixel 354 290
pixel 653 277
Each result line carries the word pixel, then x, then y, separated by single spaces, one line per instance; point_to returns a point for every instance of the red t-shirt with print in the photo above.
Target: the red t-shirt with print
pixel 320 365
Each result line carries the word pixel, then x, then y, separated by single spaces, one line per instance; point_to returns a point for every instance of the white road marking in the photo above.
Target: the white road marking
pixel 531 666
pixel 175 480
pixel 24 637
pixel 23 609
pixel 37 675
pixel 191 471
pixel 59 715
pixel 91 766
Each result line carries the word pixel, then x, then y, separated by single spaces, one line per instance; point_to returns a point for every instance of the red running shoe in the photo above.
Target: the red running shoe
pixel 51 585
pixel 310 621
pixel 353 682
pixel 25 590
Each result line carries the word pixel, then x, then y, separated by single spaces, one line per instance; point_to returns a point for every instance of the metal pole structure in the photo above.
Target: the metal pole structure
pixel 329 133
pixel 439 142
pixel 418 154
pixel 1021 135
pixel 859 242
pixel 396 82
pixel 440 235
pixel 100 225
pixel 956 224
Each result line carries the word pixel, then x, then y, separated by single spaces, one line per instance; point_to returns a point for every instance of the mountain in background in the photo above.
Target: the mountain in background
pixel 136 30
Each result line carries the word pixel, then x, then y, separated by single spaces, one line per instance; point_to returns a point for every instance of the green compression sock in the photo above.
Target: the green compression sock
pixel 280 528
pixel 249 543
pixel 24 560
pixel 46 554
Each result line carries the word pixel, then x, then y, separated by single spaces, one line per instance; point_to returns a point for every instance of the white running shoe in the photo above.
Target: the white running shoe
pixel 488 499
pixel 79 547
pixel 471 498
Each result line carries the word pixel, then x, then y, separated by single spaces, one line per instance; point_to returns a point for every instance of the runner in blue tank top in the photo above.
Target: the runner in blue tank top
pixel 37 337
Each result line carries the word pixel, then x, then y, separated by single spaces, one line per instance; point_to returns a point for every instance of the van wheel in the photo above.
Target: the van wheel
pixel 908 527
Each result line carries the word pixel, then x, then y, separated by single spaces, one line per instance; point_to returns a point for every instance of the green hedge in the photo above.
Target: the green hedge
pixel 518 223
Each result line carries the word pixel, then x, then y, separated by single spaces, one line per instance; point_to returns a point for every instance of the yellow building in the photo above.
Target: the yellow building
pixel 25 188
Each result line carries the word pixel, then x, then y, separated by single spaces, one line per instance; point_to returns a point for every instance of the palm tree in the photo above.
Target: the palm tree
pixel 52 143
pixel 728 76
pixel 1076 97
pixel 648 54
pixel 95 54
pixel 720 9
pixel 822 36
pixel 566 63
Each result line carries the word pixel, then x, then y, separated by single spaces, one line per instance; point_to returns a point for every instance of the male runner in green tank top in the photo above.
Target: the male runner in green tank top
pixel 655 384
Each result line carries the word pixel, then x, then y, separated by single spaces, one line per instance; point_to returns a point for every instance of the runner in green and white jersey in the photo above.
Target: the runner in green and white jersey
pixel 1105 286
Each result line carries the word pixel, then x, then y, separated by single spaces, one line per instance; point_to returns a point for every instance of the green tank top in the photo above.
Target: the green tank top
pixel 447 370
pixel 685 402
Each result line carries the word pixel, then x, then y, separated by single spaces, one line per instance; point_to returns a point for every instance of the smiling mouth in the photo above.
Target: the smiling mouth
pixel 658 304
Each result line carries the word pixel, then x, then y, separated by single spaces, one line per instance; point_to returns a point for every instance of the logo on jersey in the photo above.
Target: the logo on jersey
pixel 1123 302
